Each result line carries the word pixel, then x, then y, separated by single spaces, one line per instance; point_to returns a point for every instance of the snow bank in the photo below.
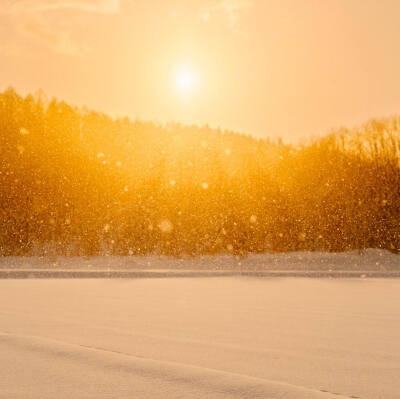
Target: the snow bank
pixel 369 260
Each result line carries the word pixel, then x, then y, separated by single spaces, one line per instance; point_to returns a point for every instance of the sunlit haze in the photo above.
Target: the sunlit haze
pixel 199 199
pixel 268 68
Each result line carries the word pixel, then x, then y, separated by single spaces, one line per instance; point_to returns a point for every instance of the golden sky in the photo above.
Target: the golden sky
pixel 290 68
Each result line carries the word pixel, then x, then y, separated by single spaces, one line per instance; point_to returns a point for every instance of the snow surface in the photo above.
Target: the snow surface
pixel 200 338
pixel 370 259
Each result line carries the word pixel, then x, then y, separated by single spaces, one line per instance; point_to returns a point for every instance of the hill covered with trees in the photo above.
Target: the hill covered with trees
pixel 77 182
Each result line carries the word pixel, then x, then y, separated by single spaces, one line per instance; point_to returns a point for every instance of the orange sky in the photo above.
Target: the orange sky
pixel 266 67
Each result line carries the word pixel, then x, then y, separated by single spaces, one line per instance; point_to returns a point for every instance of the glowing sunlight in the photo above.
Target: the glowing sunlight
pixel 185 81
pixel 199 199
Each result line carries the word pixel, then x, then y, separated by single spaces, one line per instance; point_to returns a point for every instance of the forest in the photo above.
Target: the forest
pixel 74 181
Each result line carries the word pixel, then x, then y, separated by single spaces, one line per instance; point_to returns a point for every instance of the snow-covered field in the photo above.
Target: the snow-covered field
pixel 228 337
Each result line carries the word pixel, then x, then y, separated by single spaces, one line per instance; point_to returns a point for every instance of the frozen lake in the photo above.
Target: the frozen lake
pixel 223 337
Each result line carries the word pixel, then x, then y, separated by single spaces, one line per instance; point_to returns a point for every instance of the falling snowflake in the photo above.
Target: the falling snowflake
pixel 165 226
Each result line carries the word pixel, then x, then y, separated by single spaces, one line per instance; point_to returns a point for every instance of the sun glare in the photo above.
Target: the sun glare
pixel 185 80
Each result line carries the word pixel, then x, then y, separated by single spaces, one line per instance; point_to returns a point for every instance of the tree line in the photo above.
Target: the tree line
pixel 74 181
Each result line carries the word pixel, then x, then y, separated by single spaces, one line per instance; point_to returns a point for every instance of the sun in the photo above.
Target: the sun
pixel 185 80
